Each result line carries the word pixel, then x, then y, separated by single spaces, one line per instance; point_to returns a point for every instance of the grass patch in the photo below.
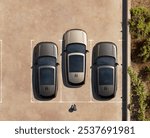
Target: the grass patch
pixel 140 56
pixel 137 97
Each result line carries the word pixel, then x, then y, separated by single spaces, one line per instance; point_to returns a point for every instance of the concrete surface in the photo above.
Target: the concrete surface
pixel 47 20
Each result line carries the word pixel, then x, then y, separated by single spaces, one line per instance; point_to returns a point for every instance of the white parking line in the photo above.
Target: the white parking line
pixel 31 46
pixel 1 95
pixel 65 102
pixel 34 101
pixel 90 52
pixel 90 40
pixel 60 89
pixel 60 40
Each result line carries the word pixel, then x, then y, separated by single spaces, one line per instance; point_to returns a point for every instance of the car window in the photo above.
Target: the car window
pixel 105 76
pixel 75 47
pixel 47 76
pixel 106 61
pixel 47 61
pixel 76 63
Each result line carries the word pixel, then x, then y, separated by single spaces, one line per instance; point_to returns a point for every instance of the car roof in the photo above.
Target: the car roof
pixel 75 36
pixel 104 49
pixel 46 49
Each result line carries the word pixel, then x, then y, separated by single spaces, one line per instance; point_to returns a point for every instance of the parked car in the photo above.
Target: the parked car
pixel 75 42
pixel 105 68
pixel 45 69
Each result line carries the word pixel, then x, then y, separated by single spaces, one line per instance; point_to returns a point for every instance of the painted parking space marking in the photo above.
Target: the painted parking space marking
pixel 31 93
pixel 81 102
pixel 60 89
pixel 32 98
pixel 1 92
pixel 90 53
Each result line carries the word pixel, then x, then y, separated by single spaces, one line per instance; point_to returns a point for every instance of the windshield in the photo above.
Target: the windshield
pixel 75 47
pixel 76 63
pixel 47 76
pixel 105 76
pixel 47 61
pixel 106 61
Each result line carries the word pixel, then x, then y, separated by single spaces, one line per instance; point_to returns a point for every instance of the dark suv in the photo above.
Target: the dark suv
pixel 45 70
pixel 105 71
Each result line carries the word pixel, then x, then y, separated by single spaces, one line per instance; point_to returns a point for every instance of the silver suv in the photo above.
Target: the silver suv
pixel 75 42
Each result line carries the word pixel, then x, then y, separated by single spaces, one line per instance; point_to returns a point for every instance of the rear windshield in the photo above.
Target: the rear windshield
pixel 47 76
pixel 105 76
pixel 76 63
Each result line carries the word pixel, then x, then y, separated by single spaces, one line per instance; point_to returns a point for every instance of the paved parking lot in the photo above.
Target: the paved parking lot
pixel 25 23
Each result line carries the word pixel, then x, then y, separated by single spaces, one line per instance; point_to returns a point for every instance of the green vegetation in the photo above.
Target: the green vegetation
pixel 140 55
pixel 145 73
pixel 140 22
pixel 138 97
pixel 140 31
pixel 145 50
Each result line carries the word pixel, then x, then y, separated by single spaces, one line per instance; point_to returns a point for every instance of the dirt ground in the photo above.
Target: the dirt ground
pixel 139 66
pixel 145 3
pixel 25 23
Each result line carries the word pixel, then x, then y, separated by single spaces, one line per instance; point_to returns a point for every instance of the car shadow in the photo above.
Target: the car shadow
pixel 64 69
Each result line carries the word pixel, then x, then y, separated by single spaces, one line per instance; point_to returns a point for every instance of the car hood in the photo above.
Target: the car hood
pixel 45 49
pixel 75 36
pixel 104 49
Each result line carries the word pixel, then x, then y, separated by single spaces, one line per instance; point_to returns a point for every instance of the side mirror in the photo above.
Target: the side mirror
pixel 57 64
pixel 32 67
pixel 116 64
pixel 87 51
pixel 93 66
pixel 63 52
